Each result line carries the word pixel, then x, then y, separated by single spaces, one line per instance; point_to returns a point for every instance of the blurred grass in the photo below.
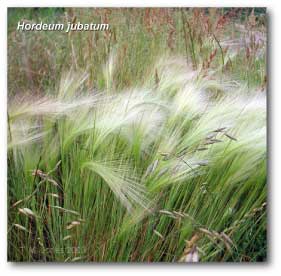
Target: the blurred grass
pixel 139 36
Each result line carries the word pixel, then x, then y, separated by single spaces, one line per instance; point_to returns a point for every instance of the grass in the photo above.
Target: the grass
pixel 145 143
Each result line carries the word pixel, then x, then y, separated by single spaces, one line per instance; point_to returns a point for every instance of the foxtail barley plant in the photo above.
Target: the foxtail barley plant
pixel 162 161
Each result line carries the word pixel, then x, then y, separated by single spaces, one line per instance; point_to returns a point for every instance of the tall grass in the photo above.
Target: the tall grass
pixel 167 167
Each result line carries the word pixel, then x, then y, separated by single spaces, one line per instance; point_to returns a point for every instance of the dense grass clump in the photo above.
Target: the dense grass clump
pixel 163 160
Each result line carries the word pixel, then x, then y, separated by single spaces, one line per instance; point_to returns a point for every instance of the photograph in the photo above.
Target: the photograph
pixel 137 135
